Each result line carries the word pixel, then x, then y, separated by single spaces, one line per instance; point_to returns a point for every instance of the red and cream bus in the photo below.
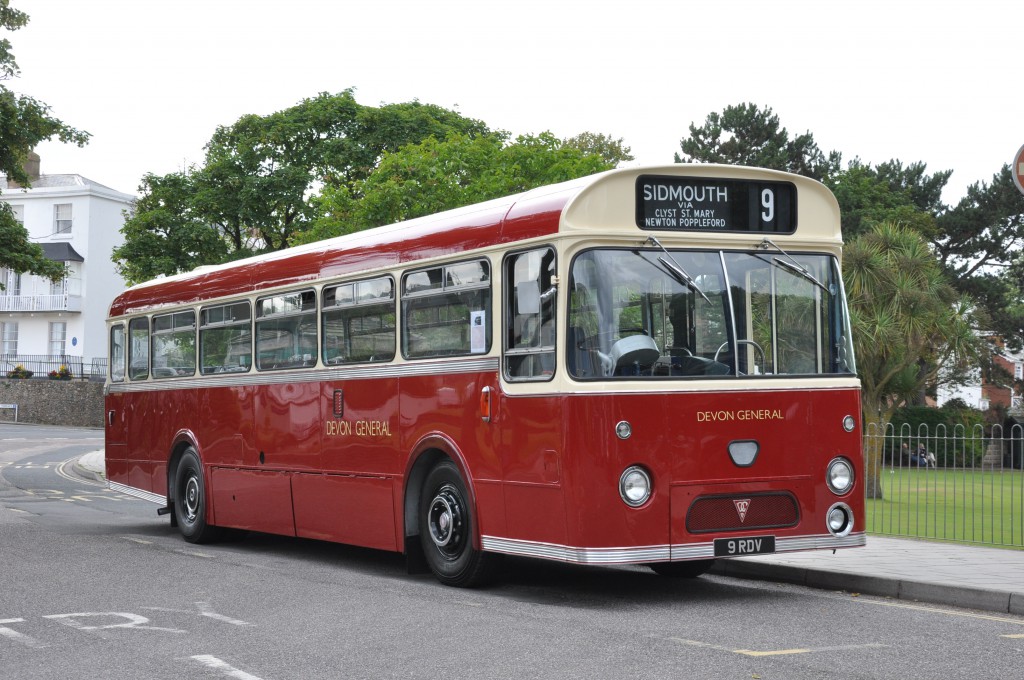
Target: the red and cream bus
pixel 645 366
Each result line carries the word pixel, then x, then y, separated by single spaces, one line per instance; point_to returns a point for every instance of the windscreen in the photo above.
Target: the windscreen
pixel 706 314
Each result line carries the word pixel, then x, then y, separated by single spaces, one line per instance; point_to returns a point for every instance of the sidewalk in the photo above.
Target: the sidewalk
pixel 976 577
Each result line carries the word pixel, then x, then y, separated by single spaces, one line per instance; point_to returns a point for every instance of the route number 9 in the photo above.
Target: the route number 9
pixel 768 203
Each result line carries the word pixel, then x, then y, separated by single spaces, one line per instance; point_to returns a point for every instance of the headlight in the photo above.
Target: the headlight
pixel 635 486
pixel 840 476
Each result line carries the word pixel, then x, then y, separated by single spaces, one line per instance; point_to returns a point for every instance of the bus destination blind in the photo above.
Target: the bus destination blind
pixel 710 204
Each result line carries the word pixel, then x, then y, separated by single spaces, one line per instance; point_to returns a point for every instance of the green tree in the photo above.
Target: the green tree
pixel 887 193
pixel 252 193
pixel 167 233
pixel 907 322
pixel 24 123
pixel 748 135
pixel 432 176
pixel 979 244
pixel 613 151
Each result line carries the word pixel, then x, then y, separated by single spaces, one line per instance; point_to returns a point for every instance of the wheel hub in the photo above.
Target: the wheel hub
pixel 445 519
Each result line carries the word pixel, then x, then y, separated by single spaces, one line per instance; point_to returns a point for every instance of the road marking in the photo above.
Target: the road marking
pixel 1016 636
pixel 775 652
pixel 940 610
pixel 21 638
pixel 204 610
pixel 219 665
pixel 134 621
pixel 137 540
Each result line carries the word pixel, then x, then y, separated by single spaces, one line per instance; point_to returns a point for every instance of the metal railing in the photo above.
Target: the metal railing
pixel 19 366
pixel 964 485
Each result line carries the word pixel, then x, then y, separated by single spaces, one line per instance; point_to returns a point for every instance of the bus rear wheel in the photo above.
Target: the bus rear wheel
pixel 190 500
pixel 690 569
pixel 447 526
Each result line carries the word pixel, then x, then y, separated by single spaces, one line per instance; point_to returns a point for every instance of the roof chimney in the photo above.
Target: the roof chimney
pixel 31 166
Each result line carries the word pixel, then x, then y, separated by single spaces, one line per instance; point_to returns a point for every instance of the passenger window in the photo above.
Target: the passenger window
pixel 174 345
pixel 359 322
pixel 138 348
pixel 530 303
pixel 286 331
pixel 225 339
pixel 446 311
pixel 117 353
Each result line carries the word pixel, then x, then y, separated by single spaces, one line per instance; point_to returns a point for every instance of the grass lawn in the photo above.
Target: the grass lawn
pixel 973 506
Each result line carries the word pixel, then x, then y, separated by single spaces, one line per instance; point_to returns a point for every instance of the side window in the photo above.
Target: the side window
pixel 530 303
pixel 286 331
pixel 174 345
pixel 138 348
pixel 117 353
pixel 225 339
pixel 359 322
pixel 446 311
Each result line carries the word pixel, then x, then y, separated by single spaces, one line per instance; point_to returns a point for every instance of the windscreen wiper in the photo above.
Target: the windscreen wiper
pixel 673 268
pixel 789 264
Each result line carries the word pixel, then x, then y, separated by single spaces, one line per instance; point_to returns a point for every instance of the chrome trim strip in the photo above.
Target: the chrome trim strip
pixel 137 493
pixel 564 553
pixel 486 365
pixel 654 553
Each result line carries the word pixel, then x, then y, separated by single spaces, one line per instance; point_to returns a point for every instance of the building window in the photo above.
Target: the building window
pixel 19 214
pixel 59 287
pixel 9 337
pixel 11 282
pixel 62 218
pixel 58 336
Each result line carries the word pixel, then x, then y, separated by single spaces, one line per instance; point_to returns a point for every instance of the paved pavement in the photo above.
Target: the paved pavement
pixel 976 577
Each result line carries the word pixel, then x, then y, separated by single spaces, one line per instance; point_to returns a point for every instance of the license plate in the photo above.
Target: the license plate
pixel 734 547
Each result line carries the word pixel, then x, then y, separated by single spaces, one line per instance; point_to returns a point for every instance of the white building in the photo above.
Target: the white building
pixel 76 221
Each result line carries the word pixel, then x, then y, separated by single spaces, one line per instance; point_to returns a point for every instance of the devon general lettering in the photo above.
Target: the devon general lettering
pixel 747 414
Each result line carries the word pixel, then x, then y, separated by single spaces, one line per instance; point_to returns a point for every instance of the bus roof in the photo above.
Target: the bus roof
pixel 600 202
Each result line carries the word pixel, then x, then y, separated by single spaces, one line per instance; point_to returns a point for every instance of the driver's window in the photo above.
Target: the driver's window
pixel 530 306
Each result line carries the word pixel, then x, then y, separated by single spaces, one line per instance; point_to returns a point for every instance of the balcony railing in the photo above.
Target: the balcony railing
pixel 41 303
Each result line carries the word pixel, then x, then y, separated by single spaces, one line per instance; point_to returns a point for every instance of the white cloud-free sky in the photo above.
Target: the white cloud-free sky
pixel 937 81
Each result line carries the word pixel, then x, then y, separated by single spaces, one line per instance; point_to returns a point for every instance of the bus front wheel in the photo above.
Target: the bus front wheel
pixel 190 500
pixel 446 526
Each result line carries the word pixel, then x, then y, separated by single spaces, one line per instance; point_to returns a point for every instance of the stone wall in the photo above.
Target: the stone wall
pixel 75 403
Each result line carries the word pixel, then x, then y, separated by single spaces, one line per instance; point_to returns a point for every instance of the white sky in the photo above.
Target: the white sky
pixel 936 81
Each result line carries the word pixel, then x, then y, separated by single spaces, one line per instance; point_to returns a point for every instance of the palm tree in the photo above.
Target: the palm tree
pixel 907 322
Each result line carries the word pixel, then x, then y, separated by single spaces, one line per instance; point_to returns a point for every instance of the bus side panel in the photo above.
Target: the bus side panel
pixel 142 419
pixel 226 434
pixel 531 450
pixel 448 406
pixel 346 509
pixel 354 501
pixel 360 431
pixel 253 500
pixel 115 438
pixel 287 426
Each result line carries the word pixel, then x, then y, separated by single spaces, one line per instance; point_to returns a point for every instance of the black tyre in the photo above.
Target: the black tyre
pixel 190 500
pixel 690 569
pixel 447 528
